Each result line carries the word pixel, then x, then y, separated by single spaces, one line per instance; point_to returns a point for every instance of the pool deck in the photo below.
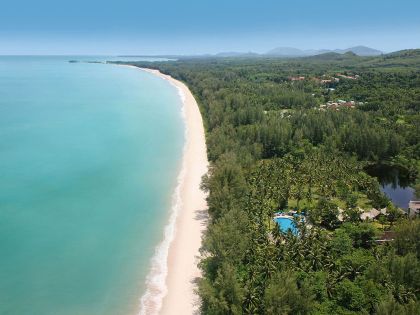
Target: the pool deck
pixel 285 216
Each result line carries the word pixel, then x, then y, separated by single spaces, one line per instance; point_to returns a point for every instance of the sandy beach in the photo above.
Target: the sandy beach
pixel 176 283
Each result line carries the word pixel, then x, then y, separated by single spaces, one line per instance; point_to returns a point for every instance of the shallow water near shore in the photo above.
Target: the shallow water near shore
pixel 89 159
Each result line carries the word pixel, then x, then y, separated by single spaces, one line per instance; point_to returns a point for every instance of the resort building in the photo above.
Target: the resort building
pixel 297 78
pixel 351 77
pixel 338 104
pixel 413 208
pixel 371 215
pixel 386 236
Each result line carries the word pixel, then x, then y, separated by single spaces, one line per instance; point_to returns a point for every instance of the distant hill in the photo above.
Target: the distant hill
pixel 287 52
pixel 236 54
pixel 404 53
pixel 295 52
pixel 362 51
pixel 403 59
pixel 333 56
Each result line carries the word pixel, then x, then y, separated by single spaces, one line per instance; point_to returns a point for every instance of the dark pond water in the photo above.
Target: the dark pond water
pixel 395 184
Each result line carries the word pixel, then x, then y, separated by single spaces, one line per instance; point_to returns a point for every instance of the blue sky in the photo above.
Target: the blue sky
pixel 204 26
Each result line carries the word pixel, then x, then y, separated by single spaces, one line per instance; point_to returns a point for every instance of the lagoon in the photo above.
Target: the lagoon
pixel 395 184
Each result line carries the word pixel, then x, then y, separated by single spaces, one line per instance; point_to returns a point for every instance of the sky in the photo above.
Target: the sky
pixel 204 26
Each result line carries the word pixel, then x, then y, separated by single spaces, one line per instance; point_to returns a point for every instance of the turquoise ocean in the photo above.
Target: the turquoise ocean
pixel 89 161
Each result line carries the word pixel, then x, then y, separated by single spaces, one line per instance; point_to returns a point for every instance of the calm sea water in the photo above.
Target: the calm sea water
pixel 89 158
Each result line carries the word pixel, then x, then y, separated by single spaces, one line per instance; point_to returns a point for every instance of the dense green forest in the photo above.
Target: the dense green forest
pixel 275 146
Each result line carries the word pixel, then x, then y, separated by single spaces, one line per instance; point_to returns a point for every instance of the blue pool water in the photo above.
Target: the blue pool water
pixel 286 224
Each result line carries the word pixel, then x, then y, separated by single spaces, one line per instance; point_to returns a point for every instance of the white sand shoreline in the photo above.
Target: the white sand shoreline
pixel 171 281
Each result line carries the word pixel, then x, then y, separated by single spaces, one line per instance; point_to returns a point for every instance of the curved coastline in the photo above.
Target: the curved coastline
pixel 171 281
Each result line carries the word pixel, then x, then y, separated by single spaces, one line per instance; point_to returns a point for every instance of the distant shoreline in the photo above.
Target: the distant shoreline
pixel 171 290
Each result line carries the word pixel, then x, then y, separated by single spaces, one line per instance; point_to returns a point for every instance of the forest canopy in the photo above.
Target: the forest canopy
pixel 297 135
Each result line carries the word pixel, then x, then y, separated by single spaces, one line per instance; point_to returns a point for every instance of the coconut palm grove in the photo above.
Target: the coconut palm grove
pixel 301 135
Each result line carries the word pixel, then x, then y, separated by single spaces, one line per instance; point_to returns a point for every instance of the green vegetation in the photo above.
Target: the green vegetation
pixel 272 148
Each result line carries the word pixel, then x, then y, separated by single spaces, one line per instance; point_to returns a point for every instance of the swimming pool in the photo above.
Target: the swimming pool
pixel 286 224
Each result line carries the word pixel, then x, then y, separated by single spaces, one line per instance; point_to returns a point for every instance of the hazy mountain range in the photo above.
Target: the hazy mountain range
pixel 285 52
pixel 295 52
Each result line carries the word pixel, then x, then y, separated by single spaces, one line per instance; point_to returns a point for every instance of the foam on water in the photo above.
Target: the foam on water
pixel 156 288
